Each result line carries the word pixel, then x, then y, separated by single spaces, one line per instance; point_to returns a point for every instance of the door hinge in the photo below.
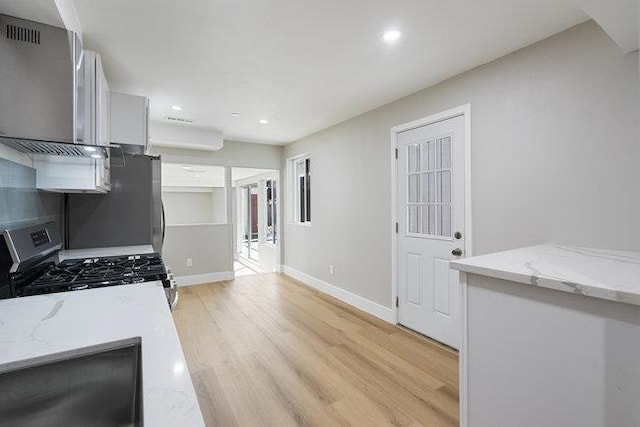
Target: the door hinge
pixel 397 228
pixel 397 301
pixel 396 154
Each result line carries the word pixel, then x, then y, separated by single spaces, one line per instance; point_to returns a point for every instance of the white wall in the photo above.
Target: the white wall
pixel 555 158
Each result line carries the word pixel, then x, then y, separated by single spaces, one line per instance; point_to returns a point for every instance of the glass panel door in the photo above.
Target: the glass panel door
pixel 249 221
pixel 253 222
pixel 243 224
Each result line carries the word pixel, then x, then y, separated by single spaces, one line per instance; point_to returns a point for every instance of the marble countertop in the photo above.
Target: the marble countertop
pixel 46 324
pixel 599 273
pixel 102 252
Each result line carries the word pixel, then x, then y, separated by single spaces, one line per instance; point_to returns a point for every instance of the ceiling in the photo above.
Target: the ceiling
pixel 302 65
pixel 202 176
pixel 44 11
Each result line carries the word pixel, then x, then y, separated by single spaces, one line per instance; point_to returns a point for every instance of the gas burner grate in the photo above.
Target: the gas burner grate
pixel 76 274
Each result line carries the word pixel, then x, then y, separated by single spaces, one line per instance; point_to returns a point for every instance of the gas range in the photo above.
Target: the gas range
pixel 87 273
pixel 29 266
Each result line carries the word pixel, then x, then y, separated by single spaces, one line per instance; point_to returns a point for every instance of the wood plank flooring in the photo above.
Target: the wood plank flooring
pixel 267 350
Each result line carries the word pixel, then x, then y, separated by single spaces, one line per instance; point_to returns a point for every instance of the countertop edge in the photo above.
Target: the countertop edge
pixel 555 283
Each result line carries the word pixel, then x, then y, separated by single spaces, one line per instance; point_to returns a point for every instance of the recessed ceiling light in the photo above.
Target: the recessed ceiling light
pixel 264 121
pixel 96 156
pixel 187 167
pixel 235 114
pixel 197 176
pixel 90 149
pixel 176 107
pixel 391 36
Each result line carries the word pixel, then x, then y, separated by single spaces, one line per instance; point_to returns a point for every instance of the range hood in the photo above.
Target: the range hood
pixel 42 90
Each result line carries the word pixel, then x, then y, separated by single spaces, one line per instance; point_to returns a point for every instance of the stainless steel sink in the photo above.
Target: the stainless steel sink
pixel 93 387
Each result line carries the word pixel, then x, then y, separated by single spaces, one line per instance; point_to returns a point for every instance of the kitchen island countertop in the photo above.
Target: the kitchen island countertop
pixel 46 324
pixel 600 273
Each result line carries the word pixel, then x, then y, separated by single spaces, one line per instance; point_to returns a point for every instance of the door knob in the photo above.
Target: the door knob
pixel 456 252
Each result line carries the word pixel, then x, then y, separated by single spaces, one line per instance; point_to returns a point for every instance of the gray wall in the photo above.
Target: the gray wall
pixel 211 253
pixel 555 158
pixel 219 200
pixel 207 245
pixel 234 153
pixel 194 207
pixel 20 201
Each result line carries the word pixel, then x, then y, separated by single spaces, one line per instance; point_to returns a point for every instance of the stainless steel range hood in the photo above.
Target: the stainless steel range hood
pixel 42 89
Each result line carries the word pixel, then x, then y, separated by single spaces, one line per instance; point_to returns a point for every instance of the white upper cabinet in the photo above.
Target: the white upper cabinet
pixel 83 174
pixel 103 103
pixel 129 119
pixel 97 104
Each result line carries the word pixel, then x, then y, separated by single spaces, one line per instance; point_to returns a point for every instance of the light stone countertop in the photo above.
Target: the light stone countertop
pixel 46 324
pixel 599 273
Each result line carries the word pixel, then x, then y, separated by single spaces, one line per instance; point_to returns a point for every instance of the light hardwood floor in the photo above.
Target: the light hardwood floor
pixel 267 350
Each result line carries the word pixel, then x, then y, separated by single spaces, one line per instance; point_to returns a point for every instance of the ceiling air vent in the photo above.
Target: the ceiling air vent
pixel 174 119
pixel 22 34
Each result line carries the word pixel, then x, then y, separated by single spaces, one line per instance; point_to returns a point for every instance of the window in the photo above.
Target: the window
pixel 302 189
pixel 272 211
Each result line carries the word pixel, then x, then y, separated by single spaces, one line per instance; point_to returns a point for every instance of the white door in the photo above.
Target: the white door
pixel 431 228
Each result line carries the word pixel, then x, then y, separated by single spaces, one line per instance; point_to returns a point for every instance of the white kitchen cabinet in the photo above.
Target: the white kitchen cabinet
pixel 129 119
pixel 98 114
pixel 65 174
pixel 83 174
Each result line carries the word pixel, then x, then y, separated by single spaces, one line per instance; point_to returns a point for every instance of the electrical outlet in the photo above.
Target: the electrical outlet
pixel 189 262
pixel 331 269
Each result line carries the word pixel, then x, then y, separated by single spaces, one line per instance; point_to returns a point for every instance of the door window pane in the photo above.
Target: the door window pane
pixel 413 157
pixel 424 219
pixel 432 155
pixel 412 219
pixel 445 187
pixel 425 157
pixel 414 188
pixel 425 186
pixel 445 152
pixel 429 183
pixel 445 229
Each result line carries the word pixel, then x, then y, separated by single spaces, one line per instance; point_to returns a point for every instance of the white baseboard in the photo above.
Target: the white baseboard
pixel 278 269
pixel 199 279
pixel 375 309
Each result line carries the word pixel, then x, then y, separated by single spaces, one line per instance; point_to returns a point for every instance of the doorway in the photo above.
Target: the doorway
pixel 257 214
pixel 249 222
pixel 432 215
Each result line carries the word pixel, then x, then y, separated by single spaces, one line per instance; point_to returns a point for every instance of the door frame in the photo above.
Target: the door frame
pixel 259 180
pixel 463 110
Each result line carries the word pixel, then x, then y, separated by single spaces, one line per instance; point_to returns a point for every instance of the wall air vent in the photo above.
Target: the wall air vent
pixel 174 119
pixel 22 34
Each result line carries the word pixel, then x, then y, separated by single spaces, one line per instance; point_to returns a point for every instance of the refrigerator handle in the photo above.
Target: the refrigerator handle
pixel 164 222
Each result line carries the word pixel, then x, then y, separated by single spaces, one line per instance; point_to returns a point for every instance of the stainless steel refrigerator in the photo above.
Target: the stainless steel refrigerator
pixel 130 214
